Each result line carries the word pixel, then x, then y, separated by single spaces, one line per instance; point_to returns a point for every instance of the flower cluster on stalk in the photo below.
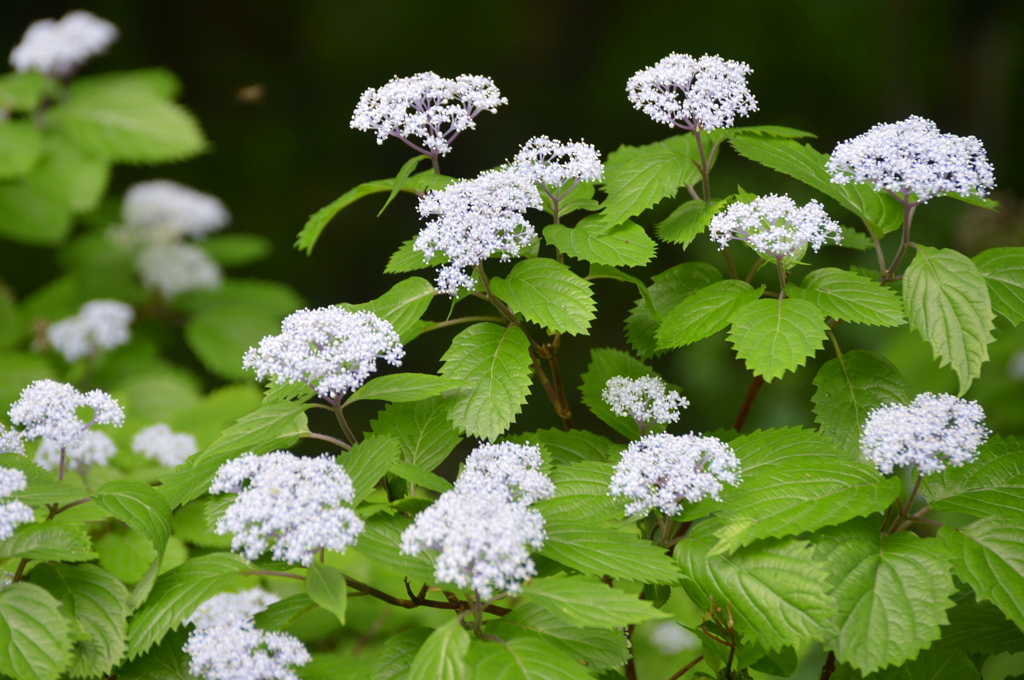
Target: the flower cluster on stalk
pixel 47 410
pixel 645 399
pixel 99 325
pixel 775 226
pixel 12 512
pixel 551 163
pixel 60 47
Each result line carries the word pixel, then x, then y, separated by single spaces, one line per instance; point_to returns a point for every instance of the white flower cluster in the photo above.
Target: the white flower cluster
pixel 484 528
pixel 175 268
pixel 645 399
pixel 226 607
pixel 426 107
pixel 660 470
pixel 237 650
pixel 775 226
pixel 476 219
pixel 713 91
pixel 92 447
pixel 11 441
pixel 553 163
pixel 934 431
pixel 158 442
pixel 47 408
pixel 913 157
pixel 330 349
pixel 289 505
pixel 12 512
pixel 99 325
pixel 59 47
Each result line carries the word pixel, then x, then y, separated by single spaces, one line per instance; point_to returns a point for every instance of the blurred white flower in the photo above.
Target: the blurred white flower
pixel 99 325
pixel 59 47
pixel 12 512
pixel 158 442
pixel 163 211
pixel 224 608
pixel 177 268
pixel 92 447
pixel 47 408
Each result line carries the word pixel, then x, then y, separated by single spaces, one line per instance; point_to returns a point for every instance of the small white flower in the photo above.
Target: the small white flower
pixel 706 93
pixel 224 608
pixel 92 447
pixel 60 47
pixel 330 349
pixel 177 268
pixel 47 408
pixel 240 651
pixel 660 470
pixel 671 638
pixel 162 211
pixel 553 163
pixel 99 325
pixel 158 442
pixel 476 219
pixel 775 226
pixel 912 157
pixel 426 107
pixel 934 431
pixel 288 505
pixel 511 469
pixel 11 441
pixel 645 399
pixel 12 513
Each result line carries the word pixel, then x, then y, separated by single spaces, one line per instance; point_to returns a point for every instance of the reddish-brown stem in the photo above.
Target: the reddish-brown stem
pixel 829 668
pixel 682 671
pixel 748 402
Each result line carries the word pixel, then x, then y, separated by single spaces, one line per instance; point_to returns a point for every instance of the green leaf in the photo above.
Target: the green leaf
pixel 443 654
pixel 524 659
pixel 623 245
pixel 603 271
pixel 270 427
pixel 420 477
pixel 580 197
pixel 423 428
pixel 794 481
pixel 54 540
pixel 21 144
pixel 392 661
pixel 28 215
pixel 891 594
pixel 776 589
pixel 1003 269
pixel 588 603
pixel 598 649
pixel 140 506
pixel 401 178
pixel 776 336
pixel 604 365
pixel 581 493
pixel 327 587
pixel 494 364
pixel 237 250
pixel 220 338
pixel 99 603
pixel 549 294
pixel 989 555
pixel 402 306
pixel 980 627
pixel 71 177
pixel 880 211
pixel 401 387
pixel 317 222
pixel 761 131
pixel 158 82
pixel 638 177
pixel 380 542
pixel 406 259
pixel 23 92
pixel 127 122
pixel 705 312
pixel 269 298
pixel 993 484
pixel 35 638
pixel 131 558
pixel 947 302
pixel 283 613
pixel 850 297
pixel 176 595
pixel 849 387
pixel 600 551
pixel 687 221
pixel 367 463
pixel 563 448
pixel 166 661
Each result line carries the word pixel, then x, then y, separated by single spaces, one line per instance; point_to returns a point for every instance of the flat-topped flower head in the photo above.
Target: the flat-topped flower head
pixel 426 108
pixel 552 163
pixel 475 219
pixel 164 211
pixel 914 161
pixel 239 651
pixel 47 409
pixel 705 94
pixel 512 469
pixel 60 47
pixel 933 432
pixel 99 325
pixel 92 447
pixel 330 349
pixel 175 268
pixel 158 442
pixel 645 399
pixel 290 506
pixel 774 226
pixel 224 608
pixel 11 441
pixel 12 512
pixel 661 470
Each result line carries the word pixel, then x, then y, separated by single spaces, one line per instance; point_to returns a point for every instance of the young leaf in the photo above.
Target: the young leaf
pixel 524 659
pixel 638 177
pixel 326 586
pixel 705 312
pixel 989 555
pixel 606 364
pixel 850 297
pixel 420 477
pixel 494 364
pixel 99 602
pixel 549 294
pixel 1003 269
pixel 622 245
pixel 599 551
pixel 401 387
pixel 947 302
pixel 423 429
pixel 891 595
pixel 589 603
pixel 53 540
pixel 581 197
pixel 402 306
pixel 443 654
pixel 687 221
pixel 21 144
pixel 847 388
pixel 776 336
pixel 993 484
pixel 35 638
pixel 367 463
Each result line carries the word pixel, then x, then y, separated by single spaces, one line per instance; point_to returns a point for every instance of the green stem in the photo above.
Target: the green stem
pixel 908 217
pixel 327 438
pixel 340 415
pixel 461 320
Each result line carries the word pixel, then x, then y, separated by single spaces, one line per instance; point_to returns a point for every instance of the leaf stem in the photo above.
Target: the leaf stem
pixel 748 402
pixel 908 217
pixel 335 403
pixel 682 671
pixel 461 320
pixel 327 438
pixel 829 667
